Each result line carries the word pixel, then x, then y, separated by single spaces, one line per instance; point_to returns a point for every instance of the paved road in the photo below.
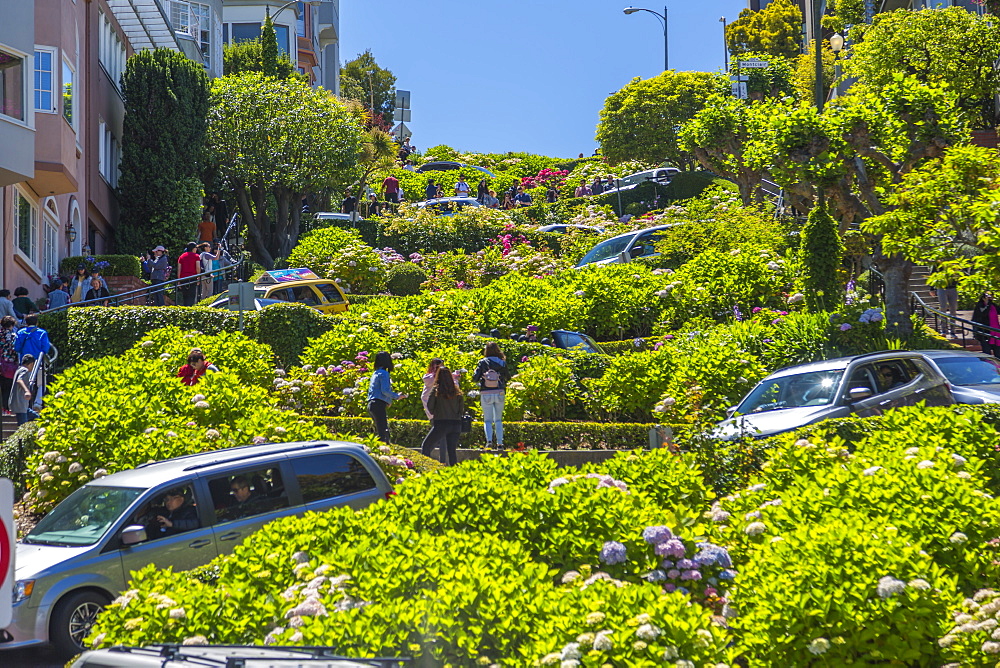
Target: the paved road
pixel 30 658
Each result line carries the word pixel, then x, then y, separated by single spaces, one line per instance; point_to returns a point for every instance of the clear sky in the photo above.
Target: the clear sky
pixel 492 76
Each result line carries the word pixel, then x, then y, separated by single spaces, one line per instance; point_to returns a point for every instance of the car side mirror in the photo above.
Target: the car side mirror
pixel 635 251
pixel 133 534
pixel 859 394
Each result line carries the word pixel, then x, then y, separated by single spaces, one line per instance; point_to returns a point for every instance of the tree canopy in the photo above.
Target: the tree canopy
pixel 163 139
pixel 281 139
pixel 374 87
pixel 641 121
pixel 953 47
pixel 775 30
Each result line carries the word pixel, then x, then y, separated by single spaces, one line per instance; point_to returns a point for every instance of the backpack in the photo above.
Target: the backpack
pixel 491 379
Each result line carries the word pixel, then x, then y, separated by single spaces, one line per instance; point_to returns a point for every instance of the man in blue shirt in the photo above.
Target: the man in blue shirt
pixel 32 339
pixel 522 198
pixel 57 296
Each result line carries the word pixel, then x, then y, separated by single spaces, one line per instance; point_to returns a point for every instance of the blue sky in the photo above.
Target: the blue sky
pixel 492 76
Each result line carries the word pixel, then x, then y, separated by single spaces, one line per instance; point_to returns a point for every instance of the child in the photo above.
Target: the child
pixel 20 393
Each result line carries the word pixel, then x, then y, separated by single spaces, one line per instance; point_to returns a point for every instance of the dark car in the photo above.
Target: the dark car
pixel 974 377
pixel 863 385
pixel 563 228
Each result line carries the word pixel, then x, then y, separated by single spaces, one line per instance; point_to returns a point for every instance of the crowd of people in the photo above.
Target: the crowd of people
pixel 443 401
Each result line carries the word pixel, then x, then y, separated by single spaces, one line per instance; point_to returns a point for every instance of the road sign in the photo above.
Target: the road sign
pixel 401 132
pixel 7 535
pixel 740 90
pixel 402 112
pixel 739 78
pixel 752 63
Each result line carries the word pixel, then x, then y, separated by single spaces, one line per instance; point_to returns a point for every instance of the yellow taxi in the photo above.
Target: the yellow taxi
pixel 301 286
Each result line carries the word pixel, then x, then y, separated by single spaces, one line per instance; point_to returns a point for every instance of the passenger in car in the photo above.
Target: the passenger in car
pixel 180 515
pixel 889 377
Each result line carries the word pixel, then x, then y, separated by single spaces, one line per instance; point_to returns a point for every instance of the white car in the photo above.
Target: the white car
pixel 448 205
pixel 660 175
pixel 624 248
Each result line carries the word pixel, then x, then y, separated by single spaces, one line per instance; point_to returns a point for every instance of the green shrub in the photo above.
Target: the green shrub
pixel 287 329
pixel 822 253
pixel 110 265
pixel 968 640
pixel 541 389
pixel 56 323
pixel 14 454
pixel 629 385
pixel 341 255
pixel 405 279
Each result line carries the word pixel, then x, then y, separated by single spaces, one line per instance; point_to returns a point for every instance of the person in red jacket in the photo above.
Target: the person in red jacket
pixel 195 368
pixel 188 265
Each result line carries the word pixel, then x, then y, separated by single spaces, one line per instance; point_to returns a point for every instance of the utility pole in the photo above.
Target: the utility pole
pixel 817 16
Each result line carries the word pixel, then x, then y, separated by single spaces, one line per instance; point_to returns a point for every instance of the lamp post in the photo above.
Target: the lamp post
pixel 663 19
pixel 837 44
pixel 725 44
pixel 311 3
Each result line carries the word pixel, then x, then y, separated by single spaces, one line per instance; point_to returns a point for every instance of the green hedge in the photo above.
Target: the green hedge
pixel 536 435
pixel 118 265
pixel 14 454
pixel 56 323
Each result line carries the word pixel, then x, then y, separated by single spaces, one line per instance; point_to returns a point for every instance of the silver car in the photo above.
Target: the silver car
pixel 180 512
pixel 974 377
pixel 863 385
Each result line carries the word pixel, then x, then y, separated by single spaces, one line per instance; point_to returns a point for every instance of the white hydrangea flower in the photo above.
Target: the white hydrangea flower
pixel 922 585
pixel 602 641
pixel 648 632
pixel 958 538
pixel 926 464
pixel 819 646
pixel 755 528
pixel 889 586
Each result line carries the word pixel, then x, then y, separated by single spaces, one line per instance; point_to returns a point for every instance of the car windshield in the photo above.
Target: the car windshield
pixel 965 370
pixel 577 341
pixel 84 516
pixel 605 250
pixel 816 388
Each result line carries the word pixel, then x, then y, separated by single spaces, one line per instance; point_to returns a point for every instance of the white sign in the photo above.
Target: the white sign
pixel 740 90
pixel 8 532
pixel 753 63
pixel 739 78
pixel 402 132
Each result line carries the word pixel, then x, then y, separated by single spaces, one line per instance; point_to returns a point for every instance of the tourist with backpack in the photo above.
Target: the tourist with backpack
pixel 492 375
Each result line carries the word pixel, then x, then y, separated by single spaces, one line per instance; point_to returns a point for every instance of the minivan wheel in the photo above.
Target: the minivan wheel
pixel 72 620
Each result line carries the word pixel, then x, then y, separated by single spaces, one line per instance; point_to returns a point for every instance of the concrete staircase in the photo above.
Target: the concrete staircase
pixel 8 425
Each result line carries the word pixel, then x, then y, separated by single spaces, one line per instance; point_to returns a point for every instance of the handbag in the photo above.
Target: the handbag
pixel 8 368
pixel 466 423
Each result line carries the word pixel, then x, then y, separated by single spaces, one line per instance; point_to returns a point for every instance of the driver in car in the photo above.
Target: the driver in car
pixel 180 515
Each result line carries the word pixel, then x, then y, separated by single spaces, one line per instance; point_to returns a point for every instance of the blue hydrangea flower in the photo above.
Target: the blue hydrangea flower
pixel 671 548
pixel 710 555
pixel 686 564
pixel 656 535
pixel 612 553
pixel 727 574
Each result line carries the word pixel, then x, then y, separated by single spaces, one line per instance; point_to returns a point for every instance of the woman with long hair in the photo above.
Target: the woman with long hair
pixel 429 379
pixel 447 406
pixel 987 314
pixel 492 375
pixel 381 394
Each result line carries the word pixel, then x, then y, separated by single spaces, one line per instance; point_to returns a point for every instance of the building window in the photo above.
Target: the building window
pixel 194 19
pixel 244 32
pixel 12 85
pixel 69 94
pixel 108 154
pixel 300 21
pixel 111 51
pixel 45 80
pixel 50 243
pixel 27 227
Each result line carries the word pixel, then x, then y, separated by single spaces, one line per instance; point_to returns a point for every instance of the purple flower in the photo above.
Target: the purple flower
pixel 321 371
pixel 532 328
pixel 713 555
pixel 612 553
pixel 673 574
pixel 524 358
pixel 657 534
pixel 845 326
pixel 409 464
pixel 686 564
pixel 337 369
pixel 666 563
pixel 757 309
pixel 671 548
pixel 669 587
pixel 691 575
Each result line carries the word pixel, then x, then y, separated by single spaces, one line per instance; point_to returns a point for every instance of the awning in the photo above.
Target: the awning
pixel 145 24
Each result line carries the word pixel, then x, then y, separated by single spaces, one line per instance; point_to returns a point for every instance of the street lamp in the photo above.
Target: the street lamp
pixel 663 19
pixel 311 3
pixel 725 44
pixel 837 44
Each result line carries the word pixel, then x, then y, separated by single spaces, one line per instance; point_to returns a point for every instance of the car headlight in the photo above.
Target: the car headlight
pixel 23 589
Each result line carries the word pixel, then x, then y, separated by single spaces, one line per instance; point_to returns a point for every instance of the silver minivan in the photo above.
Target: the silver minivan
pixel 180 512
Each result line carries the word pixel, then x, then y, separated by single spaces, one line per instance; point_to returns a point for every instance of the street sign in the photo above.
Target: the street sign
pixel 753 63
pixel 740 90
pixel 7 534
pixel 739 78
pixel 401 132
pixel 402 112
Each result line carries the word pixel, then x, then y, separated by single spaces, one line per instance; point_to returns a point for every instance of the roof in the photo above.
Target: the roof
pixel 953 353
pixel 840 363
pixel 155 473
pixel 145 24
pixel 633 233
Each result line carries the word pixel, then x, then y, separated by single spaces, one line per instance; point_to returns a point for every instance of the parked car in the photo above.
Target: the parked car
pixel 563 228
pixel 974 377
pixel 446 206
pixel 301 286
pixel 330 215
pixel 448 165
pixel 862 385
pixel 76 559
pixel 567 340
pixel 660 175
pixel 206 656
pixel 624 248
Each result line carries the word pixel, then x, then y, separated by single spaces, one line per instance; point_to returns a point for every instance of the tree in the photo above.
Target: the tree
pixel 641 121
pixel 163 138
pixel 821 252
pixel 374 87
pixel 775 30
pixel 269 47
pixel 247 56
pixel 953 47
pixel 280 139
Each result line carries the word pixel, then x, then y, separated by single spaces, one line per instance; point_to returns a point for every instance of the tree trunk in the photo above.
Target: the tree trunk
pixel 283 240
pixel 896 274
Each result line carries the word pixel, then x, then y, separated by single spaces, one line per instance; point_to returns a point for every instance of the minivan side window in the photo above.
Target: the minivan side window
pixel 248 493
pixel 171 512
pixel 330 475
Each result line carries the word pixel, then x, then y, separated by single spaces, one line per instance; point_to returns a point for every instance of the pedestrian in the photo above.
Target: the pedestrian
pixel 34 341
pixel 8 359
pixel 508 201
pixel 482 190
pixel 492 375
pixel 159 267
pixel 207 258
pixel 7 306
pixel 195 368
pixel 551 196
pixel 97 292
pixel 430 192
pixel 582 190
pixel 948 303
pixel 206 228
pixel 22 304
pixel 447 407
pixel 58 297
pixel 79 284
pixel 187 267
pixel 390 185
pixel 409 166
pixel 350 203
pixel 611 184
pixel 490 200
pixel 19 400
pixel 429 379
pixel 522 198
pixel 596 188
pixel 374 208
pixel 381 394
pixel 986 313
pixel 461 188
pixel 218 275
pixel 95 273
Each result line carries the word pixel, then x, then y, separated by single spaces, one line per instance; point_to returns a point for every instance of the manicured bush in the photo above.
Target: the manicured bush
pixel 342 256
pixel 109 265
pixel 405 279
pixel 287 329
pixel 541 389
pixel 626 389
pixel 56 323
pixel 14 454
